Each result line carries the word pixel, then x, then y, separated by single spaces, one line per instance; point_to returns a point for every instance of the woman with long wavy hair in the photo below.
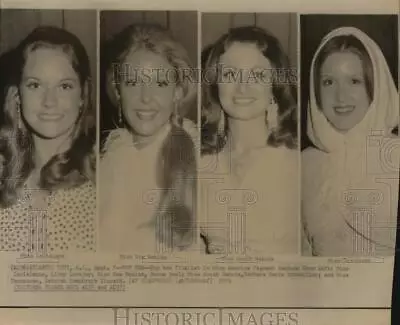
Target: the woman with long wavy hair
pixel 249 163
pixel 148 164
pixel 47 192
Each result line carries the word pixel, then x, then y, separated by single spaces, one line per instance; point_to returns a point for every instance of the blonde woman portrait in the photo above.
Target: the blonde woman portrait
pixel 148 164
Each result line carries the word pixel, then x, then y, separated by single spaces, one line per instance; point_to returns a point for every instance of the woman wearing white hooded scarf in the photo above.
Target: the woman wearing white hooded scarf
pixel 350 176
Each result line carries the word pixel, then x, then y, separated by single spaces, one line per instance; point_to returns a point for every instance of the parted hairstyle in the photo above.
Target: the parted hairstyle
pixel 67 169
pixel 213 138
pixel 176 171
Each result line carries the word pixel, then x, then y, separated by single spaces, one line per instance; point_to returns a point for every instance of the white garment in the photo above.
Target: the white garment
pixel 129 194
pixel 259 215
pixel 349 187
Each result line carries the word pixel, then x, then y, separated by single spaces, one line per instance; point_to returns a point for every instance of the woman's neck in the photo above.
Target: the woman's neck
pixel 248 134
pixel 144 141
pixel 45 149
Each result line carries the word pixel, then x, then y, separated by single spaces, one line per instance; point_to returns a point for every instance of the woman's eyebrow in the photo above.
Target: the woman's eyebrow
pixel 74 79
pixel 30 77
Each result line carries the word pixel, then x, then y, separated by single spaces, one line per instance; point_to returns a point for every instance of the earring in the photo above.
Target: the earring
pixel 119 111
pixel 272 114
pixel 221 123
pixel 175 114
pixel 19 115
pixel 120 115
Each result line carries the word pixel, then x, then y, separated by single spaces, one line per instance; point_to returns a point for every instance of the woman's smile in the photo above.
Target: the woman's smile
pixel 146 115
pixel 243 100
pixel 50 117
pixel 344 109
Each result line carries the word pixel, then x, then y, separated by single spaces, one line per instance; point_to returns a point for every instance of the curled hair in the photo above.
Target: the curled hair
pixel 346 44
pixel 176 172
pixel 285 134
pixel 66 169
pixel 153 38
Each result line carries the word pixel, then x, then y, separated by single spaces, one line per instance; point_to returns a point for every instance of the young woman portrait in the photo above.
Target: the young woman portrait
pixel 350 173
pixel 47 139
pixel 148 164
pixel 249 166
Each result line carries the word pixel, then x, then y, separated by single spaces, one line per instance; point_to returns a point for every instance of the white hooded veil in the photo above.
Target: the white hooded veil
pixel 383 113
pixel 338 187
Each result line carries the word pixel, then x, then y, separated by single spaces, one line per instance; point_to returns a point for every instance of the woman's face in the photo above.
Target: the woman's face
pixel 50 93
pixel 343 91
pixel 245 90
pixel 148 92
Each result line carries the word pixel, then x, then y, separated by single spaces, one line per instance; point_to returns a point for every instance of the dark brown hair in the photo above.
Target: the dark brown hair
pixel 212 139
pixel 64 170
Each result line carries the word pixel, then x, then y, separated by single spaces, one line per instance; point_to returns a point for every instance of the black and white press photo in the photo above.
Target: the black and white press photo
pixel 249 173
pixel 148 131
pixel 350 156
pixel 47 132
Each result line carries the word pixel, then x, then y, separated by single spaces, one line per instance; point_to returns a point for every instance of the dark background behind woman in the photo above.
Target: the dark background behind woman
pixel 113 22
pixel 15 24
pixel 381 28
pixel 282 25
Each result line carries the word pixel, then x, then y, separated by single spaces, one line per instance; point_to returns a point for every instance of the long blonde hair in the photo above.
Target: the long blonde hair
pixel 176 172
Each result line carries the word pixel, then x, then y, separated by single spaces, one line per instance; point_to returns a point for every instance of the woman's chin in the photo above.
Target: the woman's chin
pixel 49 134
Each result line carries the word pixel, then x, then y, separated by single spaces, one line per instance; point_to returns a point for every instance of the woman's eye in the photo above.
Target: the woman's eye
pixel 66 86
pixel 229 74
pixel 131 83
pixel 260 76
pixel 33 85
pixel 356 81
pixel 162 84
pixel 327 82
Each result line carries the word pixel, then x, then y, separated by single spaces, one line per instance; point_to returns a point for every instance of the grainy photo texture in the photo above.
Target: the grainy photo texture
pixel 47 132
pixel 249 158
pixel 350 164
pixel 148 164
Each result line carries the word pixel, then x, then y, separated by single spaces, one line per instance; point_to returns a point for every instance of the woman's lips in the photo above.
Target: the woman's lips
pixel 344 109
pixel 243 100
pixel 50 117
pixel 146 115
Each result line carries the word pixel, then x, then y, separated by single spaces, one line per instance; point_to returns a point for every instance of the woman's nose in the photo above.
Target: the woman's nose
pixel 49 98
pixel 145 95
pixel 242 87
pixel 341 92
